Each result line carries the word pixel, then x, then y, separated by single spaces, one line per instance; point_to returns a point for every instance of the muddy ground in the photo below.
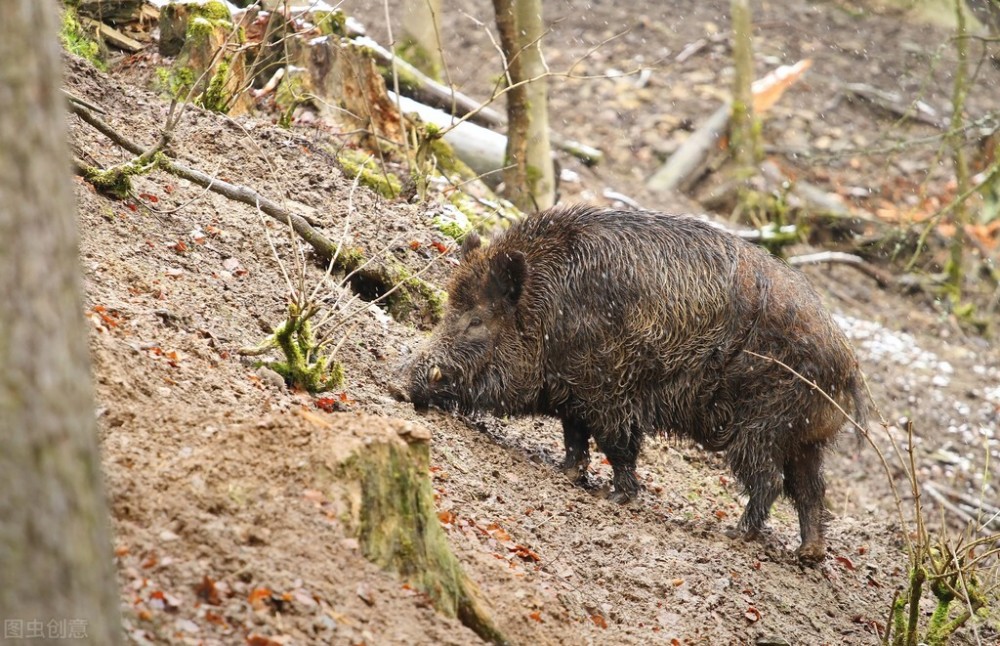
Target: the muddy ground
pixel 223 535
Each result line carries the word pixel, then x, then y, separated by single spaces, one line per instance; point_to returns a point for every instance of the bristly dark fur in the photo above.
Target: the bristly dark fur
pixel 626 323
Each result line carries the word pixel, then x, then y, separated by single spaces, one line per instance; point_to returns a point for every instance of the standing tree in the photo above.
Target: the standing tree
pixel 743 129
pixel 529 176
pixel 420 44
pixel 56 572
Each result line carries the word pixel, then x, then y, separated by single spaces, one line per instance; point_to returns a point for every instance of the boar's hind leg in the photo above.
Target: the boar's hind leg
pixel 576 438
pixel 761 476
pixel 804 485
pixel 622 453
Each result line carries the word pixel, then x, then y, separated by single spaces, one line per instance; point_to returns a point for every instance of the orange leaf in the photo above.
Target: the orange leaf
pixel 752 614
pixel 253 639
pixel 258 596
pixel 846 562
pixel 216 619
pixel 326 404
pixel 414 245
pixel 525 553
pixel 537 616
pixel 599 621
pixel 208 592
pixel 446 517
pixel 440 246
pixel 498 532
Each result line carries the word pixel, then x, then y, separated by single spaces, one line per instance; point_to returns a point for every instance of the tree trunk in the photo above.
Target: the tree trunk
pixel 743 137
pixel 419 45
pixel 529 180
pixel 57 578
pixel 960 215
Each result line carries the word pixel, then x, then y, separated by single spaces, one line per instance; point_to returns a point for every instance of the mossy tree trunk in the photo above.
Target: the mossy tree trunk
pixel 743 130
pixel 957 140
pixel 421 29
pixel 529 177
pixel 55 551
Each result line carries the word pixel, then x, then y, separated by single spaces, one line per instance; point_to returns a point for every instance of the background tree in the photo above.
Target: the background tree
pixel 421 28
pixel 529 177
pixel 55 557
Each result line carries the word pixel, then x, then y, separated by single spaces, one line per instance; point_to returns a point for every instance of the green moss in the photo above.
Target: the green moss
pixel 291 93
pixel 415 54
pixel 214 10
pixel 199 30
pixel 305 366
pixel 331 22
pixel 117 180
pixel 362 166
pixel 175 82
pixel 77 41
pixel 216 97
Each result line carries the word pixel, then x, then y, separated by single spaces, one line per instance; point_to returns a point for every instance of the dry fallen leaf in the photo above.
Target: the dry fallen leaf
pixel 846 562
pixel 537 616
pixel 208 592
pixel 752 614
pixel 497 532
pixel 599 621
pixel 258 597
pixel 525 553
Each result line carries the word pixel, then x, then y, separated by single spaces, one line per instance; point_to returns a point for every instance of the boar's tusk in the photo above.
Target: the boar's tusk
pixel 435 375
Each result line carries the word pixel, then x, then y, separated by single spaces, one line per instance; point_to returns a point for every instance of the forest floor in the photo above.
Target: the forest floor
pixel 222 532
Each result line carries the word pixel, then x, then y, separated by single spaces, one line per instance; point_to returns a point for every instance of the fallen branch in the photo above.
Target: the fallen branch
pixel 411 293
pixel 896 105
pixel 882 278
pixel 422 89
pixel 685 165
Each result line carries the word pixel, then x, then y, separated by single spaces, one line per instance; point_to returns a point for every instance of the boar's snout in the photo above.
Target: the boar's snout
pixel 425 383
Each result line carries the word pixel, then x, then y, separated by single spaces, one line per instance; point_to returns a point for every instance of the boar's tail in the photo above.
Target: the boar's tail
pixel 862 401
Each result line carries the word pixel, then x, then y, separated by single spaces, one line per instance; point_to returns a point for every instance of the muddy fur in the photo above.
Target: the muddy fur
pixel 625 323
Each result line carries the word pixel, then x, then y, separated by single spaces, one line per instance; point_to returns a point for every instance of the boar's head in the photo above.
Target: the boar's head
pixel 485 354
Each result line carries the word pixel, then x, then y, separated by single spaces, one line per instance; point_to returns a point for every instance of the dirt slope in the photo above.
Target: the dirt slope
pixel 212 469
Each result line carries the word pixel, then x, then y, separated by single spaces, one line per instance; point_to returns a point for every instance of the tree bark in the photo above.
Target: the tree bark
pixel 419 45
pixel 529 179
pixel 56 571
pixel 743 138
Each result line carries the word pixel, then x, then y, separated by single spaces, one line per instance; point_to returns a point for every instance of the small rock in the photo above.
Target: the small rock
pixel 270 377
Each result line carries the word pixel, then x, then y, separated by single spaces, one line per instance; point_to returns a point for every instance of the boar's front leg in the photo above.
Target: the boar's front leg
pixel 576 438
pixel 622 452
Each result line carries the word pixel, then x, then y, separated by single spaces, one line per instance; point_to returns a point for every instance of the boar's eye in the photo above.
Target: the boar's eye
pixel 475 321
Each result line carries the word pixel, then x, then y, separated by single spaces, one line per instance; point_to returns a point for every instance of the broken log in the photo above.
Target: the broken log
pixel 686 165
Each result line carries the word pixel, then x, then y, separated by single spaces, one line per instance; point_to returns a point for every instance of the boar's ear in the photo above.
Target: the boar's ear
pixel 508 270
pixel 470 244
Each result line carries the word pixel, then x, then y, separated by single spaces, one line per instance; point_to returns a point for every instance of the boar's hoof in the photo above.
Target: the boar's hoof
pixel 743 534
pixel 811 553
pixel 575 471
pixel 621 497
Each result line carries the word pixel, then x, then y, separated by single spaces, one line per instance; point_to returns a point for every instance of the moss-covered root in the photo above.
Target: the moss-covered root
pixel 398 528
pixel 304 366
